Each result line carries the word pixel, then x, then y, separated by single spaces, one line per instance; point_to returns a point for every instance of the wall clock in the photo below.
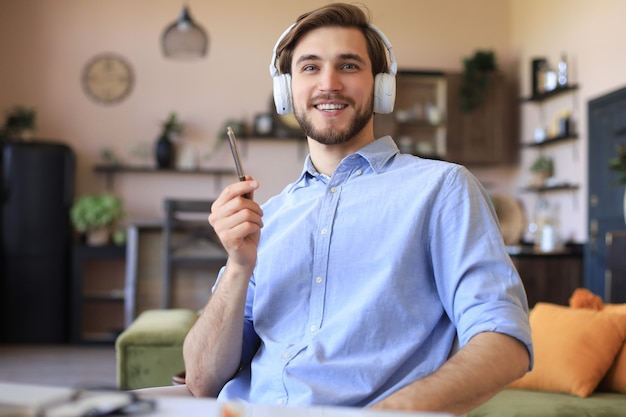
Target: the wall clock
pixel 108 78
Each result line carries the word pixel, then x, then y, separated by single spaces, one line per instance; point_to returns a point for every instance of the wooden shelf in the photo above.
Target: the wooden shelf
pixel 110 170
pixel 551 141
pixel 538 98
pixel 564 187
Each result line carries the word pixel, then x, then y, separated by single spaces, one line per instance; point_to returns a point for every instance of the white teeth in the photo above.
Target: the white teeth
pixel 330 106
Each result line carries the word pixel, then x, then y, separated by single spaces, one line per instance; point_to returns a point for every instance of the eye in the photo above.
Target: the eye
pixel 309 68
pixel 350 66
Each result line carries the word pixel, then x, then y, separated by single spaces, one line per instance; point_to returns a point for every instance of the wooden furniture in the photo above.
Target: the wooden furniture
pixel 615 276
pixel 550 277
pixel 418 123
pixel 428 120
pixel 486 135
pixel 98 293
pixel 189 241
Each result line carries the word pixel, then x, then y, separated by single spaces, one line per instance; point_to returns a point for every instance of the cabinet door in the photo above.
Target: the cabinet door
pixel 487 134
pixel 550 279
pixel 615 285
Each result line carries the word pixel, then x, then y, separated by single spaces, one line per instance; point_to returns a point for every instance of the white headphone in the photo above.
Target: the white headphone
pixel 384 83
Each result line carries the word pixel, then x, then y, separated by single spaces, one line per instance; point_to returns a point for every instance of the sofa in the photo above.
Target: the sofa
pixel 580 361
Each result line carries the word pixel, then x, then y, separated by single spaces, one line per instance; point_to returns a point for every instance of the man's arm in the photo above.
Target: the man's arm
pixel 212 348
pixel 478 371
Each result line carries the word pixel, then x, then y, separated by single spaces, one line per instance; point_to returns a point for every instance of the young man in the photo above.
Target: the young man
pixel 375 279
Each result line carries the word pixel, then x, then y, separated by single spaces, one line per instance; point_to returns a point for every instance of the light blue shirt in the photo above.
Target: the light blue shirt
pixel 371 279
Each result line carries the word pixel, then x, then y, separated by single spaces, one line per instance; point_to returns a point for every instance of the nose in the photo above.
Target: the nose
pixel 330 80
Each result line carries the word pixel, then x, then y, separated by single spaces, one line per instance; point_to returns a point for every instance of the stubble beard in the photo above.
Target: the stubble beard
pixel 330 135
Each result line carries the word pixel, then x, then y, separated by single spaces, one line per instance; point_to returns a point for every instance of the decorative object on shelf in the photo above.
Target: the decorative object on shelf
pixel 263 125
pixel 562 77
pixel 184 39
pixel 475 78
pixel 95 215
pixel 618 164
pixel 164 150
pixel 19 124
pixel 537 68
pixel 109 158
pixel 108 78
pixel 542 168
pixel 511 218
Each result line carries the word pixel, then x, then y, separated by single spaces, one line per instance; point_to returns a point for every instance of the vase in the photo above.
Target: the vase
pixel 164 152
pixel 98 237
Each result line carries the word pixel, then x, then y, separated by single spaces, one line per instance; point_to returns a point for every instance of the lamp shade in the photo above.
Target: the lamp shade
pixel 184 39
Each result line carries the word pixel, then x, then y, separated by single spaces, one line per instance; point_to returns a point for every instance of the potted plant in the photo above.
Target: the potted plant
pixel 95 215
pixel 19 123
pixel 164 149
pixel 542 168
pixel 475 80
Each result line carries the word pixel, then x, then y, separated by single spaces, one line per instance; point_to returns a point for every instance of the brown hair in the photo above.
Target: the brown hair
pixel 335 14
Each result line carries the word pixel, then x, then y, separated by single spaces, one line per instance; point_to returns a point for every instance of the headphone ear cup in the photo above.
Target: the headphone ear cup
pixel 282 94
pixel 384 93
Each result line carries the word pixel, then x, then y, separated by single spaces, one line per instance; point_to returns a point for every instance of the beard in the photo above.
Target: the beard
pixel 332 135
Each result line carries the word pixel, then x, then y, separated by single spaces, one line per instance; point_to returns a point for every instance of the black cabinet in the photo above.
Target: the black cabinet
pixel 550 278
pixel 36 192
pixel 615 276
pixel 98 293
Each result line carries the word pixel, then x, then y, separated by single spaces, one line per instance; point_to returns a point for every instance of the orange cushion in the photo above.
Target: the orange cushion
pixel 574 348
pixel 615 379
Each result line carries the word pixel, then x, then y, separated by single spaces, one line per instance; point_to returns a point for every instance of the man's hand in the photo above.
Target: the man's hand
pixel 237 220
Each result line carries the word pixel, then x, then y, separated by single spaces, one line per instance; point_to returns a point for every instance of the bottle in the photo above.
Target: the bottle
pixel 562 71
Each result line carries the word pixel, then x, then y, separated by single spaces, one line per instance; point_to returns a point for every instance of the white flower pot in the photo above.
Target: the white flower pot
pixel 98 237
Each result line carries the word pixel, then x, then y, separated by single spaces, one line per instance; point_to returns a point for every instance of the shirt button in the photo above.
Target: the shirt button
pixel 359 172
pixel 333 189
pixel 324 231
pixel 285 355
pixel 313 328
pixel 318 280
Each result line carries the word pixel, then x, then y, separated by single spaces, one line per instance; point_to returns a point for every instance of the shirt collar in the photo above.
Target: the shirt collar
pixel 376 154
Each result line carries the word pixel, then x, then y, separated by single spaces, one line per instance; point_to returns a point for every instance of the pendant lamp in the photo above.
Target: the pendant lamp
pixel 184 39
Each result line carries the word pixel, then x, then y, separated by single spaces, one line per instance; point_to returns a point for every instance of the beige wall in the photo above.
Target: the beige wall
pixel 46 43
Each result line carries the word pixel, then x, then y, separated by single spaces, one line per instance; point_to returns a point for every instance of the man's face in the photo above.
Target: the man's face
pixel 332 84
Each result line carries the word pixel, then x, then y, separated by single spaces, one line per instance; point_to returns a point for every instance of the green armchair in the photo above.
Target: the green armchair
pixel 149 353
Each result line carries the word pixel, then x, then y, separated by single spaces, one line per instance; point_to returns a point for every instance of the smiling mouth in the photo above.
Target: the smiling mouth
pixel 330 107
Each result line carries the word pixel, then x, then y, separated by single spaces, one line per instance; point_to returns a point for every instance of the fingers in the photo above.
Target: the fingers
pixel 235 218
pixel 240 188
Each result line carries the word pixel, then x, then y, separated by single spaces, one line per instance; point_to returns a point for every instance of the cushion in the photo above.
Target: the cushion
pixel 525 403
pixel 574 348
pixel 615 379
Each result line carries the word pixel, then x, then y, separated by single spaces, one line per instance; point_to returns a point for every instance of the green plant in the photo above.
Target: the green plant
pixel 172 126
pixel 475 78
pixel 543 164
pixel 95 211
pixel 618 164
pixel 18 119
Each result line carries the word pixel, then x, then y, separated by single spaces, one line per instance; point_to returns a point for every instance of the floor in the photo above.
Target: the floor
pixel 63 365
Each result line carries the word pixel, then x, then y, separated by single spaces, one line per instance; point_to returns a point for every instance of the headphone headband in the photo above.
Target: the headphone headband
pixel 384 83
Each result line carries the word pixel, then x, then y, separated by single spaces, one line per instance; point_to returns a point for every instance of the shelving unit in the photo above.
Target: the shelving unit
pixel 552 140
pixel 110 170
pixel 418 122
pixel 98 293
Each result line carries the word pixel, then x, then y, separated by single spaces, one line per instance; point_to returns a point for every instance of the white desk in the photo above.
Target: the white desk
pixel 26 400
pixel 192 407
